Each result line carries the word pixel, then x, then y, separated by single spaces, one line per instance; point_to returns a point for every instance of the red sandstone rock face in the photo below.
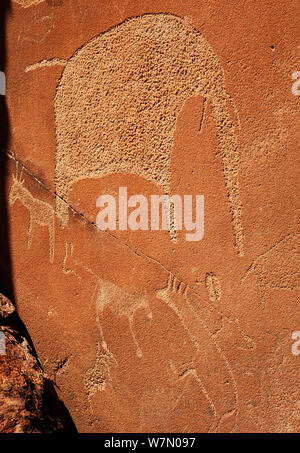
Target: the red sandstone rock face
pixel 142 333
pixel 23 388
pixel 28 400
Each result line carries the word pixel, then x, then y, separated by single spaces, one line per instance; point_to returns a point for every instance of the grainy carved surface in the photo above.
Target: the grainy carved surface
pixel 139 333
pixel 27 3
pixel 213 286
pixel 163 62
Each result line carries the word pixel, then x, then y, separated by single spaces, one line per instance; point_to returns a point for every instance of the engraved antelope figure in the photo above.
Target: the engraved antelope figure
pixel 40 212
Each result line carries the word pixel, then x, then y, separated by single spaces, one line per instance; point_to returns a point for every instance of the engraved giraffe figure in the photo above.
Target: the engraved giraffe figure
pixel 40 212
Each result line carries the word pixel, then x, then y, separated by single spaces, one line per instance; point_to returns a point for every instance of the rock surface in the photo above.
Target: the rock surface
pixel 142 333
pixel 28 403
pixel 6 307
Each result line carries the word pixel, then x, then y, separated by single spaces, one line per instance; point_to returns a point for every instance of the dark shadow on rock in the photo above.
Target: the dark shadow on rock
pixel 56 408
pixel 6 281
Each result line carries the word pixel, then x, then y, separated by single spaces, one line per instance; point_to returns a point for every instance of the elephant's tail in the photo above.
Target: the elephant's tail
pixel 230 155
pixel 61 210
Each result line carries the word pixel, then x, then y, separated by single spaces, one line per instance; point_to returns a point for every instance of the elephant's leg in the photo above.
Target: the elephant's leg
pixel 61 209
pixel 230 155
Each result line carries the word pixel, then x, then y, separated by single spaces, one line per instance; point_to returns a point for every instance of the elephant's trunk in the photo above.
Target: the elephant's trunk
pixel 230 156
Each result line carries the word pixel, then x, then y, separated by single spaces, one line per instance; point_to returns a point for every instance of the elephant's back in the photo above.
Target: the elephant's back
pixel 121 93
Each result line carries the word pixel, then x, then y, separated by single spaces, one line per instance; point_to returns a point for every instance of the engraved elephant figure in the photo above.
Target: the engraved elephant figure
pixel 118 100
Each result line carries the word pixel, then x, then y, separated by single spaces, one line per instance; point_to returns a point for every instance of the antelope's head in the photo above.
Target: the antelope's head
pixel 16 187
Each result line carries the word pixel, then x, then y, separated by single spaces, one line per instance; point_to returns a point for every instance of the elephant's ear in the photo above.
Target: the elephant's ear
pixel 200 165
pixel 235 113
pixel 187 145
pixel 190 119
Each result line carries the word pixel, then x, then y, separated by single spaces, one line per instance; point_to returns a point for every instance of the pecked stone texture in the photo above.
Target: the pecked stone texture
pixel 140 331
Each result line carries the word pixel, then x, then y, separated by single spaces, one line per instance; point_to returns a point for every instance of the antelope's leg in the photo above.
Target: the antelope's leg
pixel 51 241
pixel 30 233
